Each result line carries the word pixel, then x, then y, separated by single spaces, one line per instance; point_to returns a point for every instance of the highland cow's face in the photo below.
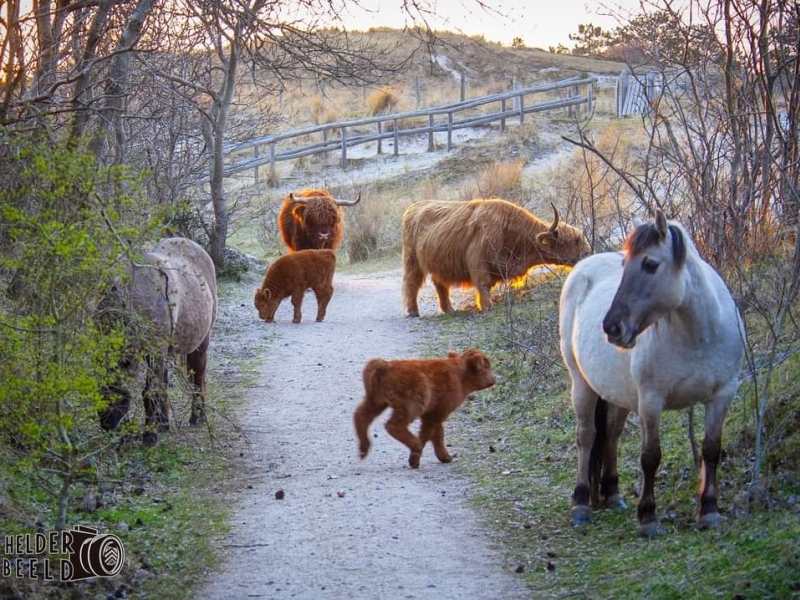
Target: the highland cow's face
pixel 319 218
pixel 479 369
pixel 564 245
pixel 266 304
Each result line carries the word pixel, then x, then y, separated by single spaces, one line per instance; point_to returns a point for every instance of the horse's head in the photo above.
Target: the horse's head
pixel 652 280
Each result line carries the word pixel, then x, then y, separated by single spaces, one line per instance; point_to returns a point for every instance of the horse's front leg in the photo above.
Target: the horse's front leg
pixel 712 449
pixel 196 363
pixel 584 402
pixel 156 406
pixel 650 413
pixel 609 482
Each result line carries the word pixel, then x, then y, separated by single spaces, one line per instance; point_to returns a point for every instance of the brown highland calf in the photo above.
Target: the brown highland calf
pixel 293 274
pixel 479 243
pixel 312 219
pixel 430 389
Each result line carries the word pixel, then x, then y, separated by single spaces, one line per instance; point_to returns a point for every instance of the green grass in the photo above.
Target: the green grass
pixel 517 442
pixel 169 504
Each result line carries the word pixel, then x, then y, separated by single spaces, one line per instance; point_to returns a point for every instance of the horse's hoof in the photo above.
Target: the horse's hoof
pixel 413 460
pixel 580 515
pixel 413 314
pixel 710 520
pixel 615 503
pixel 149 439
pixel 651 529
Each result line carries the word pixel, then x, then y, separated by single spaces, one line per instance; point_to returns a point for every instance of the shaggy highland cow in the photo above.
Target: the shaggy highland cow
pixel 293 274
pixel 312 219
pixel 428 389
pixel 479 243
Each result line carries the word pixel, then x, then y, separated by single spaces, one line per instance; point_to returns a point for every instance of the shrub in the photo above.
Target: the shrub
pixel 64 222
pixel 500 179
pixel 382 101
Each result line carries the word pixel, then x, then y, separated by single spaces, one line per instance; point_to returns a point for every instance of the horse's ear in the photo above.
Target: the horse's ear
pixel 661 224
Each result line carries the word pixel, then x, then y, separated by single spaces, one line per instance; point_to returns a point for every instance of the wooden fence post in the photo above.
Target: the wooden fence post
pixel 503 110
pixel 344 147
pixel 589 99
pixel 573 110
pixel 272 178
pixel 621 93
pixel 521 98
pixel 255 171
pixel 380 140
pixel 396 139
pixel 431 144
pixel 463 87
pixel 419 93
pixel 449 130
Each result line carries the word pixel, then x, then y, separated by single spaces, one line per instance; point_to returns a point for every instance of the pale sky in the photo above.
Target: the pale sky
pixel 540 23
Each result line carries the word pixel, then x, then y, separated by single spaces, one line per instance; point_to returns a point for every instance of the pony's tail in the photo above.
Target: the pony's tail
pixel 598 447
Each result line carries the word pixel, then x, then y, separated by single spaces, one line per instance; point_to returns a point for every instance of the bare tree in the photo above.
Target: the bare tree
pixel 722 155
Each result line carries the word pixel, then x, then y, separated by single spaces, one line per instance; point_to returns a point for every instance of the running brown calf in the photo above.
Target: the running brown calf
pixel 429 389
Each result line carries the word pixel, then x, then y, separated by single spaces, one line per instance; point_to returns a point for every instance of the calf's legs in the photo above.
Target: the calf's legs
pixel 323 294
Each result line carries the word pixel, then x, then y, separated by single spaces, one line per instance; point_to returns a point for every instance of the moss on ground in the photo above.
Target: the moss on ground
pixel 517 442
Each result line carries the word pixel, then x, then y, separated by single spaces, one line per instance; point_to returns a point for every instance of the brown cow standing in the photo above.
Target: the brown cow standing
pixel 293 274
pixel 312 219
pixel 429 389
pixel 479 243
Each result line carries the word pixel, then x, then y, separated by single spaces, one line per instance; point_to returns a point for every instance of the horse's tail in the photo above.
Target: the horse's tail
pixel 598 448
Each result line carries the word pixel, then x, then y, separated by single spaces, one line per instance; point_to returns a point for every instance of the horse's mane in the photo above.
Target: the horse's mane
pixel 647 235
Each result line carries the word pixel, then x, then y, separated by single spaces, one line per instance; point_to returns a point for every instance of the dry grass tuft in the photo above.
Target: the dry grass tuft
pixel 382 101
pixel 501 179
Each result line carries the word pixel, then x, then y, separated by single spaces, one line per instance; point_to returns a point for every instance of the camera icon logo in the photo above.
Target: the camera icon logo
pixel 93 555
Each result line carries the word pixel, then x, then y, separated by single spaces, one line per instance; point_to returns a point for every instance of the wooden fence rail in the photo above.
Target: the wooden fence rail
pixel 351 133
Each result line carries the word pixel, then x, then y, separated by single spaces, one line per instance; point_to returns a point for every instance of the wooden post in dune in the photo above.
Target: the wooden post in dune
pixel 272 178
pixel 255 170
pixel 344 147
pixel 449 131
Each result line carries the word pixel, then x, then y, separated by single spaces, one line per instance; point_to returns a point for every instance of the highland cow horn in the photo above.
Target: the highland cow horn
pixel 298 200
pixel 555 221
pixel 349 202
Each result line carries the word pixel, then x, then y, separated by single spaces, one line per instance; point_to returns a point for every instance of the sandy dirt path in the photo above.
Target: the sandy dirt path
pixel 346 528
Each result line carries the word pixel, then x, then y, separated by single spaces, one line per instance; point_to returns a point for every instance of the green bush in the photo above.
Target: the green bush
pixel 63 240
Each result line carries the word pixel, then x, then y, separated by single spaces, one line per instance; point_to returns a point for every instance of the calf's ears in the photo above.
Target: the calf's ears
pixel 297 212
pixel 476 360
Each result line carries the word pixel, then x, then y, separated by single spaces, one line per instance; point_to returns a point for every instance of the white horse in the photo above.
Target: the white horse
pixel 673 338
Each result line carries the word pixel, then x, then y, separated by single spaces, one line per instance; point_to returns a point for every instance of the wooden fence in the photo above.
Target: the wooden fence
pixel 253 153
pixel 635 94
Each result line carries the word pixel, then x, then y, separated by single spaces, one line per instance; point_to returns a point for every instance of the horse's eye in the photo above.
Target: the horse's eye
pixel 649 265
